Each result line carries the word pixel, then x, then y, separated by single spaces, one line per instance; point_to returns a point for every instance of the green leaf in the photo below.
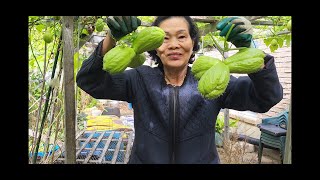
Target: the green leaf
pixel 207 41
pixel 219 125
pixel 267 41
pixel 40 27
pixel 233 123
pixel 40 58
pixel 216 33
pixel 273 48
pixel 280 42
pixel 85 31
pixel 148 19
pixel 31 62
pixel 288 40
pixel 33 18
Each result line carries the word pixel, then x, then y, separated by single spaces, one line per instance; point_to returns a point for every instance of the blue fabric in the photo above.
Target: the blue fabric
pixel 151 100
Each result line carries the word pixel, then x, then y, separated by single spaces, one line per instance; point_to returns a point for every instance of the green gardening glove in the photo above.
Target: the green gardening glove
pixel 241 34
pixel 122 25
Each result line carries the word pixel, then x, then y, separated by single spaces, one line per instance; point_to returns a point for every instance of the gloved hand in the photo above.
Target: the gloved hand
pixel 241 34
pixel 122 25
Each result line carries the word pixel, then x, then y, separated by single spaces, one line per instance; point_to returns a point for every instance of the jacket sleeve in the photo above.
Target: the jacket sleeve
pixel 98 83
pixel 257 92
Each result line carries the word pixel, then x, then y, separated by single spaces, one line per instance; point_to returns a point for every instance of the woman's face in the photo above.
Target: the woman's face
pixel 176 49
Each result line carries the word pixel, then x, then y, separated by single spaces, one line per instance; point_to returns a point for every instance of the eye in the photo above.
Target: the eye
pixel 166 39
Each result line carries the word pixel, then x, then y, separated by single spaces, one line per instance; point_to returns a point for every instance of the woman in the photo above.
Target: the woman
pixel 173 122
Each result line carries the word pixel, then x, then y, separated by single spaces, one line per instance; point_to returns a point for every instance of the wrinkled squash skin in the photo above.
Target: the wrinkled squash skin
pixel 148 39
pixel 137 60
pixel 117 59
pixel 214 81
pixel 248 60
pixel 202 64
pixel 99 25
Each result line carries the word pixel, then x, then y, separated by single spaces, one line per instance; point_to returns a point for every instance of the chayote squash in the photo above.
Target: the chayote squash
pixel 99 24
pixel 137 60
pixel 202 64
pixel 245 61
pixel 214 81
pixel 117 59
pixel 48 37
pixel 289 24
pixel 148 39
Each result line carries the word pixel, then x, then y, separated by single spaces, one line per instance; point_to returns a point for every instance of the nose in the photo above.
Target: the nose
pixel 173 43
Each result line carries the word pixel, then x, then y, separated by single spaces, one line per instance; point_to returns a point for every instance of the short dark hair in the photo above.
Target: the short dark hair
pixel 194 33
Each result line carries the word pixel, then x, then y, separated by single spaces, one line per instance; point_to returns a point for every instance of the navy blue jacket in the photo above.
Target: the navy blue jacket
pixel 176 124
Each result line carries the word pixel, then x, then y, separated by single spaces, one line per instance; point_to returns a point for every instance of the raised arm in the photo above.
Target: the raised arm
pixel 256 92
pixel 92 78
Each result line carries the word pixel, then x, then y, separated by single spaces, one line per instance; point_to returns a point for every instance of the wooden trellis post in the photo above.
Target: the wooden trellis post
pixel 69 90
pixel 287 153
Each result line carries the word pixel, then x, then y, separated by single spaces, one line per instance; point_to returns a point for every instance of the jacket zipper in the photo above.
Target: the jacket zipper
pixel 175 89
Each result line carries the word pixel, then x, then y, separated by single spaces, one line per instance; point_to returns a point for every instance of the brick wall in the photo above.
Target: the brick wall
pixel 282 58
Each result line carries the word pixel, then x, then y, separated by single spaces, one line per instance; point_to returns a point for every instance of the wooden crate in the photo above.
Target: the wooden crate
pixel 102 147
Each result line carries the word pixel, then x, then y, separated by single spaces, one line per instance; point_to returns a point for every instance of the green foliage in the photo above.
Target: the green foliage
pixel 92 103
pixel 40 27
pixel 278 34
pixel 80 119
pixel 287 39
pixel 276 30
pixel 220 124
pixel 276 42
pixel 207 39
pixel 84 32
pixel 219 17
pixel 147 19
pixel 57 18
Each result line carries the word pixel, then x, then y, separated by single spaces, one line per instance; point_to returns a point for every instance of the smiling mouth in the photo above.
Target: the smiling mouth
pixel 174 56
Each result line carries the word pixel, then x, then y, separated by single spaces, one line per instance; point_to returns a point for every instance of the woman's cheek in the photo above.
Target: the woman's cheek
pixel 160 50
